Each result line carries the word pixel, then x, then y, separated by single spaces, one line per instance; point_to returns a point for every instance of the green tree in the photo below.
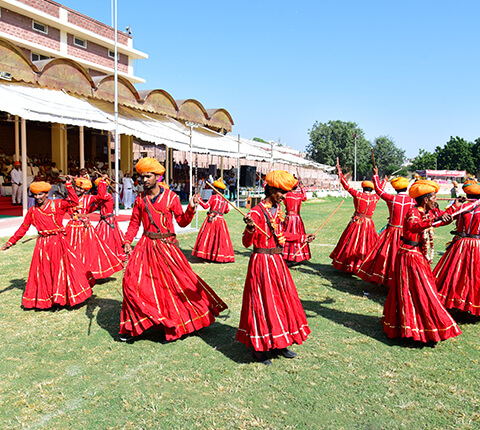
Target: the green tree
pixel 259 139
pixel 476 153
pixel 388 157
pixel 457 154
pixel 424 160
pixel 336 139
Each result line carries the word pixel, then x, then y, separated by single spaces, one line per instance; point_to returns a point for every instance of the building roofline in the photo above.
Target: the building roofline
pixel 22 8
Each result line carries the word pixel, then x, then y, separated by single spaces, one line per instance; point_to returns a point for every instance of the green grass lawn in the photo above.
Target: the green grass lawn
pixel 66 369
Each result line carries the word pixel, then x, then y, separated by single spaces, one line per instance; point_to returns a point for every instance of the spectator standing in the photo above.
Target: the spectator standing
pixel 16 177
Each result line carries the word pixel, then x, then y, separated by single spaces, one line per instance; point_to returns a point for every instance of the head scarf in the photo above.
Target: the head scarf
pixel 422 187
pixel 40 187
pixel 281 179
pixel 399 183
pixel 150 165
pixel 84 183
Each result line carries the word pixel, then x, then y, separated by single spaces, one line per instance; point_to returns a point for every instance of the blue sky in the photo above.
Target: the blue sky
pixel 406 69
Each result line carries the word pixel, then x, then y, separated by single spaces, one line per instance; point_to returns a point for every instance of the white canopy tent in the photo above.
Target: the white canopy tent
pixel 45 105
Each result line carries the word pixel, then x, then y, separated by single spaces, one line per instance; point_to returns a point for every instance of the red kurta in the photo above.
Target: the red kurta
pixel 458 271
pixel 380 262
pixel 107 228
pixel 412 308
pixel 293 224
pixel 85 242
pixel 272 315
pixel 57 276
pixel 213 240
pixel 160 287
pixel 360 235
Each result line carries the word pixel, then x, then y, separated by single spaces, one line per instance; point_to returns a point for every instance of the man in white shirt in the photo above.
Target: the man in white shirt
pixel 16 177
pixel 127 182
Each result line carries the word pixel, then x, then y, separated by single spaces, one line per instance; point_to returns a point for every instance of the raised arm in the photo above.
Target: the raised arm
pixel 380 190
pixel 71 200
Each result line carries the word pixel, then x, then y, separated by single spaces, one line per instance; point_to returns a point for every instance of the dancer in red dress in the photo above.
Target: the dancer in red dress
pixel 412 308
pixel 107 228
pixel 213 240
pixel 378 267
pixel 293 224
pixel 57 276
pixel 458 271
pixel 360 236
pixel 160 288
pixel 272 317
pixel 95 254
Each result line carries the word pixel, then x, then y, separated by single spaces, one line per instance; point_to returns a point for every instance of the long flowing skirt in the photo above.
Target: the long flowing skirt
pixel 272 315
pixel 294 224
pixel 113 237
pixel 379 264
pixel 95 255
pixel 356 242
pixel 458 276
pixel 56 276
pixel 213 241
pixel 412 308
pixel 160 288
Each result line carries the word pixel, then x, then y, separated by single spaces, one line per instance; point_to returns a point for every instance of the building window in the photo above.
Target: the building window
pixel 37 57
pixel 111 54
pixel 79 42
pixel 42 28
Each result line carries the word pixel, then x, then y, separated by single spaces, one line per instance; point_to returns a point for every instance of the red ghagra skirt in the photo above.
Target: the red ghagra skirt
pixel 412 308
pixel 56 276
pixel 379 264
pixel 160 288
pixel 272 315
pixel 458 276
pixel 356 242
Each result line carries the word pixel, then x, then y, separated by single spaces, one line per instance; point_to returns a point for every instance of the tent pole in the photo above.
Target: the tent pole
pixel 81 137
pixel 238 173
pixel 117 189
pixel 17 139
pixel 24 166
pixel 191 161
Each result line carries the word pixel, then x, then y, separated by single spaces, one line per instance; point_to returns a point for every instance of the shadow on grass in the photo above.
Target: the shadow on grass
pixel 367 325
pixel 104 280
pixel 108 316
pixel 222 338
pixel 18 284
pixel 344 282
